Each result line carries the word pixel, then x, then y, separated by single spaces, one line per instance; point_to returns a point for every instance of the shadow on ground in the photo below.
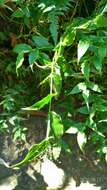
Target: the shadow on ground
pixel 82 172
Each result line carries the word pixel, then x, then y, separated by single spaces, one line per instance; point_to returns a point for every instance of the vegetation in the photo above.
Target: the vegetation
pixel 54 53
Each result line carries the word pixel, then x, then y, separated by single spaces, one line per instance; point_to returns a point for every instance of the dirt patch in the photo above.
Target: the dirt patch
pixel 80 171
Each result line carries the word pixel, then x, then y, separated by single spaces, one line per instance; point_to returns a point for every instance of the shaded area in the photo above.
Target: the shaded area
pixel 79 168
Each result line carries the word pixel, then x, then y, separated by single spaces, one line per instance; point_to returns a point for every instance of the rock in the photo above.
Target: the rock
pixel 53 176
pixel 8 183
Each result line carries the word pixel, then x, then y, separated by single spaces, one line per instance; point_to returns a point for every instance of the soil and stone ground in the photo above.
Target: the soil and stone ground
pixel 72 172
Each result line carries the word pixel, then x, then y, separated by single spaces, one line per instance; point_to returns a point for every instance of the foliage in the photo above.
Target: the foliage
pixel 62 49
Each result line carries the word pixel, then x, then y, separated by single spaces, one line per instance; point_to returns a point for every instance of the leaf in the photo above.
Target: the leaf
pixel 97 61
pixel 104 149
pixel 42 42
pixel 56 124
pixel 72 130
pixel 54 26
pixel 83 110
pixel 101 21
pixel 69 38
pixel 57 80
pixel 106 157
pixel 85 68
pixel 44 58
pixel 105 9
pixel 85 95
pixel 19 61
pixel 81 139
pixel 22 48
pixel 101 108
pixel 33 56
pixel 65 146
pixel 82 48
pixel 18 13
pixel 40 104
pixel 78 88
pixel 35 151
pixel 98 58
pixel 56 152
pixel 73 127
pixel 94 87
pixel 48 9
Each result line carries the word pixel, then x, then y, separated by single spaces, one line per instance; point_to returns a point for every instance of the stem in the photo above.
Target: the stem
pixel 50 104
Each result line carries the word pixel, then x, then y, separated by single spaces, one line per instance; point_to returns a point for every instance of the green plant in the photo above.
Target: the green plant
pixel 71 61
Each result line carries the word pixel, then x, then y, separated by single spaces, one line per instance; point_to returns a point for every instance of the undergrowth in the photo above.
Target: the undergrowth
pixel 56 50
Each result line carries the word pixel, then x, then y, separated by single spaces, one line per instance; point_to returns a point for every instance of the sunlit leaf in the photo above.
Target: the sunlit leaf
pixel 69 38
pixel 82 48
pixel 57 80
pixel 81 139
pixel 104 149
pixel 94 87
pixel 78 88
pixel 19 61
pixel 56 152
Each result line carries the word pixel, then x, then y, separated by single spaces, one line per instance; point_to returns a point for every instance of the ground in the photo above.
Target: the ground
pixel 75 171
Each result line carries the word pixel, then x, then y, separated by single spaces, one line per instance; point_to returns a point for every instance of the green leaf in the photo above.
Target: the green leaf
pixel 35 151
pixel 33 56
pixel 78 88
pixel 83 110
pixel 85 68
pixel 85 95
pixel 18 13
pixel 73 127
pixel 98 58
pixel 57 80
pixel 97 61
pixel 53 26
pixel 65 146
pixel 40 104
pixel 44 59
pixel 105 9
pixel 68 38
pixel 101 21
pixel 81 139
pixel 22 48
pixel 56 124
pixel 19 61
pixel 94 87
pixel 82 48
pixel 42 42
pixel 101 108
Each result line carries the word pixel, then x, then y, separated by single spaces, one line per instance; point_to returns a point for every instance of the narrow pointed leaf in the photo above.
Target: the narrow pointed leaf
pixel 35 151
pixel 40 104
